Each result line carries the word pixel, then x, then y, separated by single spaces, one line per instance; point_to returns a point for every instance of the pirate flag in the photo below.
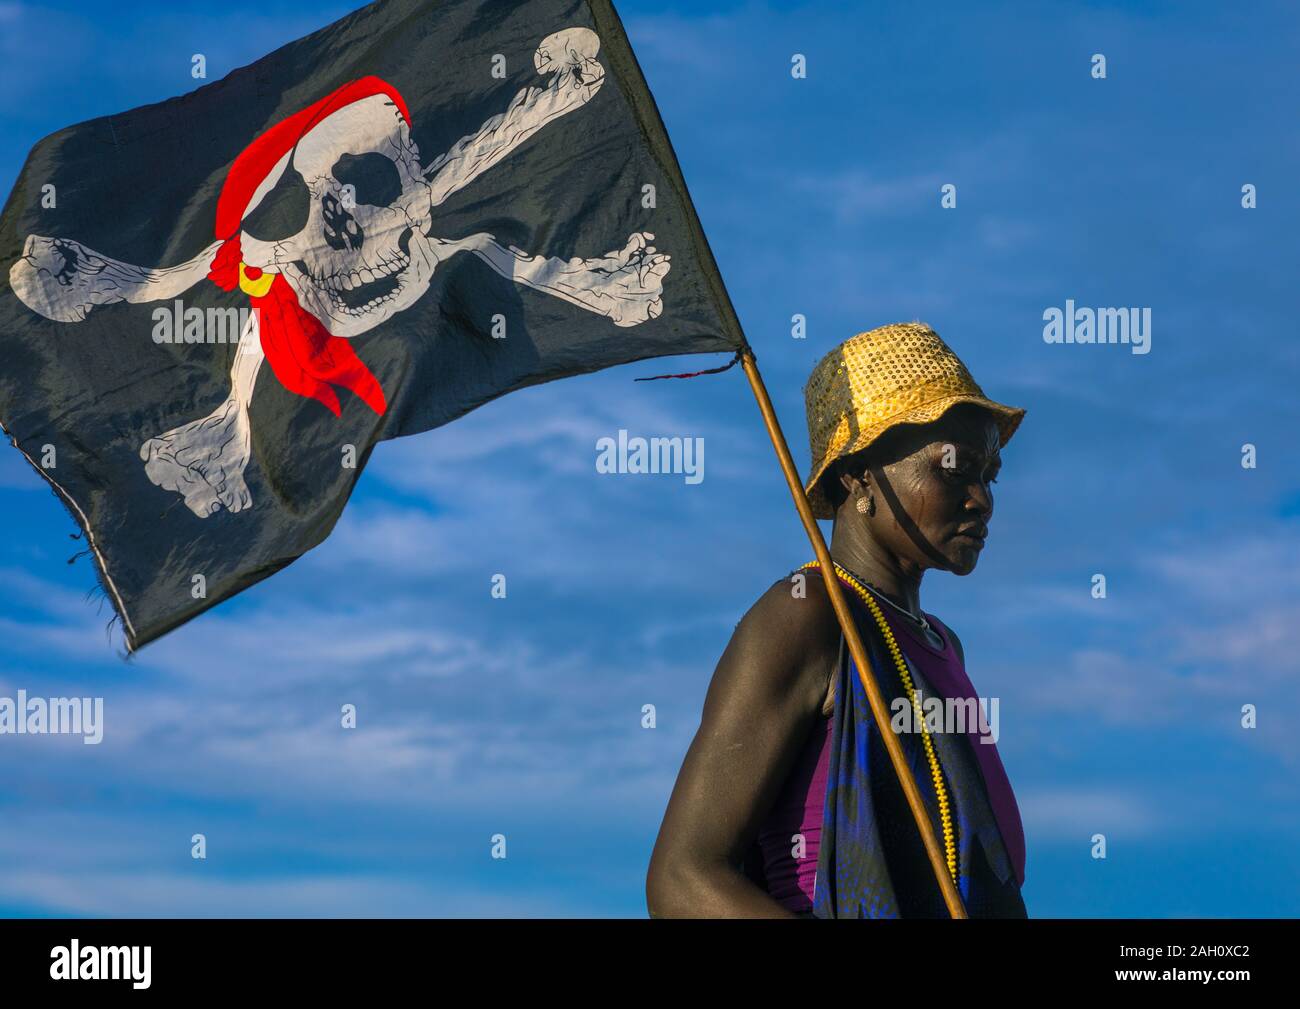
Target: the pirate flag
pixel 212 308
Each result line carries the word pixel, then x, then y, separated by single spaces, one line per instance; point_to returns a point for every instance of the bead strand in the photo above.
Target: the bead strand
pixel 945 811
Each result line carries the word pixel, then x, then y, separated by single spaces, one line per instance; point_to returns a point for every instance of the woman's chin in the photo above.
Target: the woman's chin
pixel 962 561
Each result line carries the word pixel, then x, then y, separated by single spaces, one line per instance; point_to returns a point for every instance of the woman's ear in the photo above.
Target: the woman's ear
pixel 855 481
pixel 848 481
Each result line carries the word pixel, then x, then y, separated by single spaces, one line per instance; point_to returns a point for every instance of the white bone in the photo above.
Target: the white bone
pixel 204 461
pixel 571 56
pixel 625 285
pixel 63 280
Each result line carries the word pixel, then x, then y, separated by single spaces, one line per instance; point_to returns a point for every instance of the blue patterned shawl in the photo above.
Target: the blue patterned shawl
pixel 872 863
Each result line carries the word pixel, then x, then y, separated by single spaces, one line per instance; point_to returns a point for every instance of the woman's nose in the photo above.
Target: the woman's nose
pixel 981 500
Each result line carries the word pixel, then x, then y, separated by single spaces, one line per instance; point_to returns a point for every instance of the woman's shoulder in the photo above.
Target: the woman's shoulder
pixel 791 631
pixel 798 603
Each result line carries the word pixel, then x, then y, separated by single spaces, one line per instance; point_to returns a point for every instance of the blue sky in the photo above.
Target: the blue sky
pixel 822 197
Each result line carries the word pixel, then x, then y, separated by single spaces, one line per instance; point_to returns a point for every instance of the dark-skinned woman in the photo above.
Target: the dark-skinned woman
pixel 787 804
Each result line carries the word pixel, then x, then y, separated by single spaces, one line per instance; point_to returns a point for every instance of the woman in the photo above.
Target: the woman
pixel 787 804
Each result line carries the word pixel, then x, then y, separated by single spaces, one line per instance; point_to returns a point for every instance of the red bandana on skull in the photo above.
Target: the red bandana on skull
pixel 306 358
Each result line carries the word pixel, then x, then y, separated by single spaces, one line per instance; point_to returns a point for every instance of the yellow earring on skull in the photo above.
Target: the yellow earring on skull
pixel 254 282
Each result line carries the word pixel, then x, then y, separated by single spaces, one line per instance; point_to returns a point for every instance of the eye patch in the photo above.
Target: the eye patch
pixel 282 212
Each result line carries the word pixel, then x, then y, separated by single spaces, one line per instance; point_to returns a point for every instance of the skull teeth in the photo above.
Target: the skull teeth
pixel 350 280
pixel 346 290
pixel 368 307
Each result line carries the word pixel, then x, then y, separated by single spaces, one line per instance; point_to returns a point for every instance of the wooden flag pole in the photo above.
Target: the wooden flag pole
pixel 856 648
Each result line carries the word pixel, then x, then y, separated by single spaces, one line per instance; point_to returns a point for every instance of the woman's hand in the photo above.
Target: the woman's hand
pixel 765 696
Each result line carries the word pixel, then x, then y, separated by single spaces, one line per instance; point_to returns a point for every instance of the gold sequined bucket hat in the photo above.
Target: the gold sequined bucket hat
pixel 897 374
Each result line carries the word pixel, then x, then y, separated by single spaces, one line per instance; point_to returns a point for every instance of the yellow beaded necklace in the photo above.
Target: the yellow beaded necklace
pixel 936 773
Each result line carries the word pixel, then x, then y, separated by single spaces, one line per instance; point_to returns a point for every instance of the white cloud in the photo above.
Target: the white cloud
pixel 852 194
pixel 144 893
pixel 1075 814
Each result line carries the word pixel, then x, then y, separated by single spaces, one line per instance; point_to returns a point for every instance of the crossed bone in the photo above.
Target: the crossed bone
pixel 204 460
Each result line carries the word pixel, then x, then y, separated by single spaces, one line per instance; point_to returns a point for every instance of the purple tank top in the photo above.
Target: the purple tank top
pixel 797 811
pixel 790 837
pixel 789 865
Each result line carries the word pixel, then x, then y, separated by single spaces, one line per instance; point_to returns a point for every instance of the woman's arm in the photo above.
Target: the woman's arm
pixel 765 696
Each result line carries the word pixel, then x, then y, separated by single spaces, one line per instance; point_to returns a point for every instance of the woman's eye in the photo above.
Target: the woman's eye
pixel 965 474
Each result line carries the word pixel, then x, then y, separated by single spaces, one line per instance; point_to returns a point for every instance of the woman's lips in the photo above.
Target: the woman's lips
pixel 974 537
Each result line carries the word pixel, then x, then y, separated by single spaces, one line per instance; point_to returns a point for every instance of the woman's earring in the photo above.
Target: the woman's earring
pixel 867 505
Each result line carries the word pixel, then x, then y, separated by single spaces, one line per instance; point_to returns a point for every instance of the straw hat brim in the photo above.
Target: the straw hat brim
pixel 1007 418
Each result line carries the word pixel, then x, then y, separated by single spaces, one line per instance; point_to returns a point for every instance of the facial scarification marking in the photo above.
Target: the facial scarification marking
pixel 365 253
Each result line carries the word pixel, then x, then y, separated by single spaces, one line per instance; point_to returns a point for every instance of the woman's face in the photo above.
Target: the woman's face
pixel 932 491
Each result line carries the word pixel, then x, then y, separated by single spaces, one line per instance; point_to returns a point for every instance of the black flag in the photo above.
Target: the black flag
pixel 212 308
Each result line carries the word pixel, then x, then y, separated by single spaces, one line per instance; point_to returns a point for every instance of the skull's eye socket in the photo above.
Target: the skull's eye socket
pixel 282 212
pixel 373 178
